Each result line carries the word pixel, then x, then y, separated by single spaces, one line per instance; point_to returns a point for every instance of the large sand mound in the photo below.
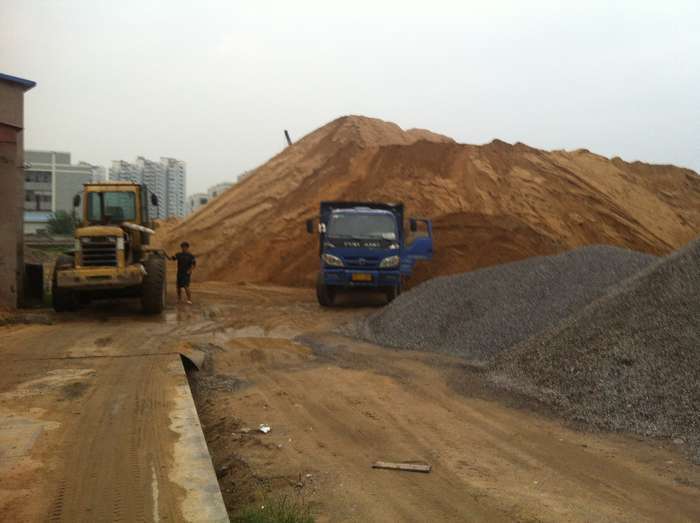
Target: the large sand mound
pixel 491 204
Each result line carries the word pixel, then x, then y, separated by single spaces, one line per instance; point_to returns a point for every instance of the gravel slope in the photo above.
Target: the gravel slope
pixel 476 315
pixel 629 361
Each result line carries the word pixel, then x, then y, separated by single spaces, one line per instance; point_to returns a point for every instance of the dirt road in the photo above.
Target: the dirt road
pixel 336 405
pixel 74 396
pixel 95 423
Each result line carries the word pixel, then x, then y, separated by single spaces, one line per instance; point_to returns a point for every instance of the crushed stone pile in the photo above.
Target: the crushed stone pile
pixel 477 315
pixel 629 361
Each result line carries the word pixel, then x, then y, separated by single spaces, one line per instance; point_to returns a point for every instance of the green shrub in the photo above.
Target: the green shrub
pixel 62 223
pixel 282 510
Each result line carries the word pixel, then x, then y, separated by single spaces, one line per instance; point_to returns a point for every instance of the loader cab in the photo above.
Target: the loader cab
pixel 111 207
pixel 114 203
pixel 106 206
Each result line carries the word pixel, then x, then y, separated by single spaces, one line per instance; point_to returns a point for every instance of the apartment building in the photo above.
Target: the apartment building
pixel 165 178
pixel 50 183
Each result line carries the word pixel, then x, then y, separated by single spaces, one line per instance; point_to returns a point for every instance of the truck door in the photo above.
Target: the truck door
pixel 420 249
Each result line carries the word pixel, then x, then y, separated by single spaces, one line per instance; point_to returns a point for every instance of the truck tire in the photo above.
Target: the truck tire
pixel 324 293
pixel 392 293
pixel 153 286
pixel 62 299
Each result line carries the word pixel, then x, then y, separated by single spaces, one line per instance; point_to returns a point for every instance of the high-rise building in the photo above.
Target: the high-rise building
pixel 195 201
pixel 125 171
pixel 165 179
pixel 174 186
pixel 99 173
pixel 50 183
pixel 216 190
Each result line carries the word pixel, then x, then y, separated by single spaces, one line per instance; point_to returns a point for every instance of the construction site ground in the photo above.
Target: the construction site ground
pixel 95 425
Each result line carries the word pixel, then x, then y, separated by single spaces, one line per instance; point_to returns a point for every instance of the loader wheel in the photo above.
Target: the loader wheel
pixel 392 293
pixel 153 286
pixel 62 299
pixel 324 293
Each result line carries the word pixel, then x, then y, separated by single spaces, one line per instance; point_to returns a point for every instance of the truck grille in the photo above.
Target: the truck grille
pixel 99 251
pixel 362 262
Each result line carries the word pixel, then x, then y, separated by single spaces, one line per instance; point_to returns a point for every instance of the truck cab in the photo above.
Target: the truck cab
pixel 364 245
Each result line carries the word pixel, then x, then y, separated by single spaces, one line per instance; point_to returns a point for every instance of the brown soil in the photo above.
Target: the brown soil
pixel 335 406
pixel 89 424
pixel 491 203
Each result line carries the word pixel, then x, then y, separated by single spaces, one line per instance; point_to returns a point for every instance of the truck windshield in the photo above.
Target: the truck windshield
pixel 111 207
pixel 362 225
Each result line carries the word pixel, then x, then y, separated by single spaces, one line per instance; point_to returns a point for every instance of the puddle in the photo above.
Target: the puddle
pixel 255 331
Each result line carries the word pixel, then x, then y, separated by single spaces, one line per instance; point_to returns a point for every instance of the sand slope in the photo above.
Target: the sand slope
pixel 491 204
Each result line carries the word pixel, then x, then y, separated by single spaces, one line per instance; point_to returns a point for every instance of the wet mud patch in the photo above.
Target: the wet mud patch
pixel 103 342
pixel 220 382
pixel 74 390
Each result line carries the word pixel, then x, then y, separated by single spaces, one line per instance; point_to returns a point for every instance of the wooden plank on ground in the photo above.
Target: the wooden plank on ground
pixel 409 467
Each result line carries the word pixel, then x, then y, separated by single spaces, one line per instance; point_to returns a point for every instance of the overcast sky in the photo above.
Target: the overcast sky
pixel 215 83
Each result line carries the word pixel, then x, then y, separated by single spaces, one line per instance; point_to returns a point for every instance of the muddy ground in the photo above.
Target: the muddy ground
pixel 336 405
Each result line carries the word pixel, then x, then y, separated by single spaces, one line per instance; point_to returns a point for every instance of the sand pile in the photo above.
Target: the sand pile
pixel 478 314
pixel 491 204
pixel 629 361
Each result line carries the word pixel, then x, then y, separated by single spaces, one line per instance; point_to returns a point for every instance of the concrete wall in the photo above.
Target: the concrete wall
pixel 11 104
pixel 34 227
pixel 12 192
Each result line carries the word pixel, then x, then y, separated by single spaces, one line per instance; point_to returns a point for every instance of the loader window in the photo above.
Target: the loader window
pixel 362 225
pixel 111 207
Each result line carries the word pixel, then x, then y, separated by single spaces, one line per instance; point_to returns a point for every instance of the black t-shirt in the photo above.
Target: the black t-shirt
pixel 185 261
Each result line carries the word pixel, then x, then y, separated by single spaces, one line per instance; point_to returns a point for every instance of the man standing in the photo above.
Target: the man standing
pixel 186 263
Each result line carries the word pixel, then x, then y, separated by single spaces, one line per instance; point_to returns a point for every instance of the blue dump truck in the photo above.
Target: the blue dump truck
pixel 363 245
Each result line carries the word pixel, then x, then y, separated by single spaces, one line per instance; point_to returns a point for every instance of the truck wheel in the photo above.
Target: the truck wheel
pixel 62 299
pixel 324 293
pixel 153 286
pixel 392 293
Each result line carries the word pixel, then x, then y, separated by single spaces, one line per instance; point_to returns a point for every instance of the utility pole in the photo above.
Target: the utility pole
pixel 286 135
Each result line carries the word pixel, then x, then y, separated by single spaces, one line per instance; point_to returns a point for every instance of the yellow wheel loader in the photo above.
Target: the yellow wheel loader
pixel 112 257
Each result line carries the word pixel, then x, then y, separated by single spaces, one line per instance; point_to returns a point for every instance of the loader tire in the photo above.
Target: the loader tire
pixel 324 293
pixel 153 287
pixel 62 299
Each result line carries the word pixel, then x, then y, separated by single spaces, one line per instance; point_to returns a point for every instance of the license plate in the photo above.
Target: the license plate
pixel 361 277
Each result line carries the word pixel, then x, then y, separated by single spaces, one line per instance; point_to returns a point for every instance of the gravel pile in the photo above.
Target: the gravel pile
pixel 629 361
pixel 477 315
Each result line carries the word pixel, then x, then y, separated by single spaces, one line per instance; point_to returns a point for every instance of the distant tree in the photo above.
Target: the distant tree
pixel 61 222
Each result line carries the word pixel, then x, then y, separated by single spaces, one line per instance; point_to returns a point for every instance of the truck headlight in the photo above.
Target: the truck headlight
pixel 332 260
pixel 390 261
